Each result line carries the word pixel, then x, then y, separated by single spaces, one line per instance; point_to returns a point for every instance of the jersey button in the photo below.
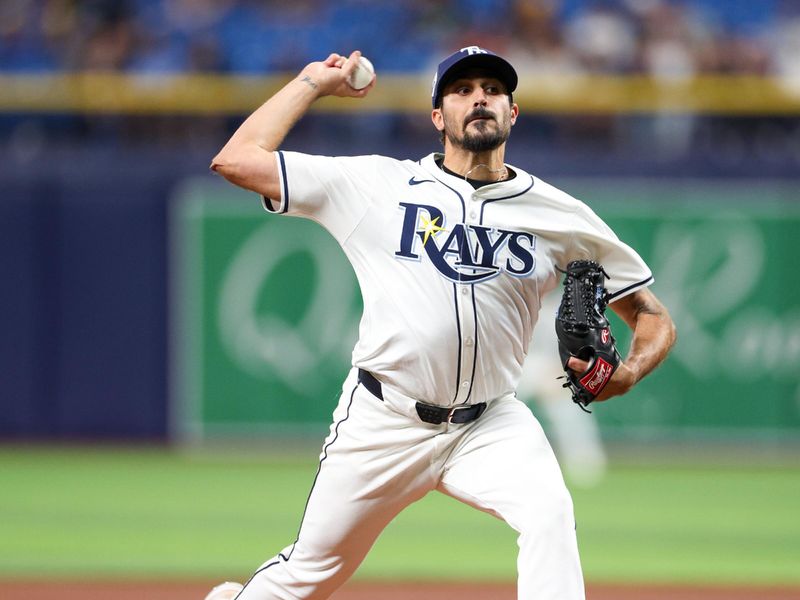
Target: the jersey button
pixel 465 384
pixel 473 215
pixel 469 341
pixel 465 290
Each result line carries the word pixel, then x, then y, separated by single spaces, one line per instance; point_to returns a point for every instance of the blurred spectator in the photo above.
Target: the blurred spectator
pixel 671 44
pixel 180 35
pixel 785 49
pixel 108 35
pixel 538 41
pixel 24 45
pixel 603 38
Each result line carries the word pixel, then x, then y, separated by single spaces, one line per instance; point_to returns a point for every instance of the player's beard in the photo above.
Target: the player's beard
pixel 486 138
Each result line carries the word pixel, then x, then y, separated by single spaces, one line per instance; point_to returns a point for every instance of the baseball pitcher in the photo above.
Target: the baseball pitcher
pixel 453 253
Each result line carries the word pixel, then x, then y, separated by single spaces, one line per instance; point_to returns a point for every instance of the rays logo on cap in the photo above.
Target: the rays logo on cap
pixel 474 50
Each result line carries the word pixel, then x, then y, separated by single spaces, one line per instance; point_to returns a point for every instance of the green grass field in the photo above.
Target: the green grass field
pixel 112 512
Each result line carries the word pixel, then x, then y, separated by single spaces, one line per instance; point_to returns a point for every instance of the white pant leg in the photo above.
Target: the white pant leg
pixel 374 463
pixel 503 464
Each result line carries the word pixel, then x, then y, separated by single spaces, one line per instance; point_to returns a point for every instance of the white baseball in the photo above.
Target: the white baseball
pixel 361 75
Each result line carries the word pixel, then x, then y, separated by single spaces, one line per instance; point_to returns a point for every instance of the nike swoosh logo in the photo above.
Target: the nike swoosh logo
pixel 413 181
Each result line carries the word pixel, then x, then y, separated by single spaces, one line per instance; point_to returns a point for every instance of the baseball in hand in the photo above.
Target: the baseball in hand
pixel 361 75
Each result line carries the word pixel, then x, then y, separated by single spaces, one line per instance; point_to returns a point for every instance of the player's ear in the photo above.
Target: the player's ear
pixel 438 119
pixel 514 112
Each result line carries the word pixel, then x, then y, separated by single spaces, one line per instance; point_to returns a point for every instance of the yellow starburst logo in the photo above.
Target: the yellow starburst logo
pixel 430 228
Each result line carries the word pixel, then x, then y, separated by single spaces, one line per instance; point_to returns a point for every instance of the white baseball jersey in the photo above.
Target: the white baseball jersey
pixel 451 277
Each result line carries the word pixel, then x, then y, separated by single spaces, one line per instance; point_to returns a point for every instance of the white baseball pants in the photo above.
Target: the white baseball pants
pixel 378 460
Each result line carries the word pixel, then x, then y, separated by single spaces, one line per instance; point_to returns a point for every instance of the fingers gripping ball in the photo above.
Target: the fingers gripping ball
pixel 362 75
pixel 225 591
pixel 584 332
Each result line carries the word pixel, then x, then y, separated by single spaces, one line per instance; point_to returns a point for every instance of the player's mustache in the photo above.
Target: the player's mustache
pixel 479 113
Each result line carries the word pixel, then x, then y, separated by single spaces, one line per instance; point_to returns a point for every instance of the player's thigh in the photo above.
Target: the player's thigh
pixel 505 466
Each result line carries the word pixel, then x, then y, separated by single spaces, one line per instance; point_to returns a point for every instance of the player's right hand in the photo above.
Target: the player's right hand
pixel 330 76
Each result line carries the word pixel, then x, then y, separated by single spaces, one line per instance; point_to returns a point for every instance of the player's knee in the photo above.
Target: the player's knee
pixel 550 518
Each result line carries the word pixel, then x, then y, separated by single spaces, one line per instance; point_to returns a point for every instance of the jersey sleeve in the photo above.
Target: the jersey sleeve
pixel 593 239
pixel 334 191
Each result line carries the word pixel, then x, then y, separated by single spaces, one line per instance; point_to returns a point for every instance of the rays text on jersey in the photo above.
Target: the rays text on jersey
pixel 465 253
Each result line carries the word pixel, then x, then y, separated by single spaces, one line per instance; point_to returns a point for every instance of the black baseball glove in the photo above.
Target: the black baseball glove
pixel 583 330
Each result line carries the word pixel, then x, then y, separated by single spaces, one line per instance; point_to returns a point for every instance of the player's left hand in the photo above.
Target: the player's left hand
pixel 620 383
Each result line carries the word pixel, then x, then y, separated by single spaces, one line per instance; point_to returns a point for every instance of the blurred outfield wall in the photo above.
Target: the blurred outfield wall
pixel 265 312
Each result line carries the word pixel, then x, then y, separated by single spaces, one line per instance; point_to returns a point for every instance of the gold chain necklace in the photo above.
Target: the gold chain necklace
pixel 502 170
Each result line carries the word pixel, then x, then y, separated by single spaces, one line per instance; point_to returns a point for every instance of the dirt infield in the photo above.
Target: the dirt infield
pixel 380 591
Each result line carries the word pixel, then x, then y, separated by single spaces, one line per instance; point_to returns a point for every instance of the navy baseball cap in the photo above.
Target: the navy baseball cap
pixel 472 57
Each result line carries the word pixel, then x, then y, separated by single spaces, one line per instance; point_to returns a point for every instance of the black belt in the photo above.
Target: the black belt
pixel 428 412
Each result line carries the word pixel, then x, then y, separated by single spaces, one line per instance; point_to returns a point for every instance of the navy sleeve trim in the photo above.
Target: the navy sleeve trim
pixel 630 288
pixel 267 204
pixel 282 161
pixel 284 205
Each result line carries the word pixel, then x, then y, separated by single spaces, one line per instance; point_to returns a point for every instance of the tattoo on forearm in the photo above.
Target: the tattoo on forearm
pixel 309 81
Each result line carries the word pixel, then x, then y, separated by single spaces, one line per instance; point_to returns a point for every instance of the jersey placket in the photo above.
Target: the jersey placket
pixel 468 317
